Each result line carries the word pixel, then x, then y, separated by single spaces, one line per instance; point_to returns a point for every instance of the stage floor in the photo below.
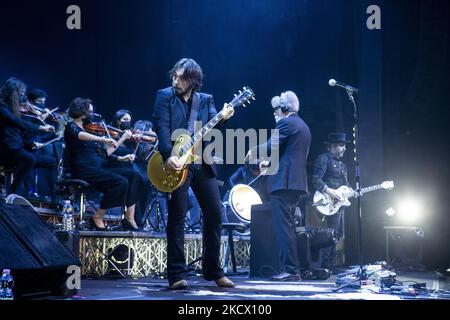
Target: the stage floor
pixel 253 289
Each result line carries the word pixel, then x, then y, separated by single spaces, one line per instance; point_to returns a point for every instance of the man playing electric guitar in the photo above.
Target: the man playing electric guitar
pixel 178 107
pixel 330 173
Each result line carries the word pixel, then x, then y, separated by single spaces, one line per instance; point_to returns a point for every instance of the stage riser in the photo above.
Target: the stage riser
pixel 150 255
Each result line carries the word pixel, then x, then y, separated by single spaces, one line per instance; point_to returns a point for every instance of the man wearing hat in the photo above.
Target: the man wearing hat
pixel 329 174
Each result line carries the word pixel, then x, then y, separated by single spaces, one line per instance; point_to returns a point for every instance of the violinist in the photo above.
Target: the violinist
pixel 145 149
pixel 37 143
pixel 38 98
pixel 143 138
pixel 122 119
pixel 87 163
pixel 13 150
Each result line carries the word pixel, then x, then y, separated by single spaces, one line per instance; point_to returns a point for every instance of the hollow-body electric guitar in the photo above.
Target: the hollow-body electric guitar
pixel 328 206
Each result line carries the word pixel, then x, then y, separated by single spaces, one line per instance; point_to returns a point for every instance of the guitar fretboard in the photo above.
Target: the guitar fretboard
pixel 198 136
pixel 373 188
pixel 239 100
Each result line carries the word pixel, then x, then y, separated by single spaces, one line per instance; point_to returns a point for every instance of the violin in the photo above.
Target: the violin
pixel 52 116
pixel 29 109
pixel 100 128
pixel 143 136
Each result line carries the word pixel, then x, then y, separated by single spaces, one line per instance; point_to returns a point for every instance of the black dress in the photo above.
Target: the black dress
pixel 86 162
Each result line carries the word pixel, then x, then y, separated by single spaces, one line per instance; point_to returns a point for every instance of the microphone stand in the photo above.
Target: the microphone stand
pixel 362 272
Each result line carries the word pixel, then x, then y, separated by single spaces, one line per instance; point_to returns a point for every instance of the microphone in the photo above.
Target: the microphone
pixel 333 83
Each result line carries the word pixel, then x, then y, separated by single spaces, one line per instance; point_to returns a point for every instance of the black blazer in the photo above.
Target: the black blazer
pixel 170 114
pixel 293 147
pixel 13 129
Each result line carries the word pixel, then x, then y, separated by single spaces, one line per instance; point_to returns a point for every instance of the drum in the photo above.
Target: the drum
pixel 241 199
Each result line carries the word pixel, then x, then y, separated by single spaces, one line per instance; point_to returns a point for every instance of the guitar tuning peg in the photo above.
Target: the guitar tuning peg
pixel 235 95
pixel 244 105
pixel 253 98
pixel 240 91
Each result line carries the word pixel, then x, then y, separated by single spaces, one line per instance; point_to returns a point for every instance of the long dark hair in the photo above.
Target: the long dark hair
pixel 192 72
pixel 11 95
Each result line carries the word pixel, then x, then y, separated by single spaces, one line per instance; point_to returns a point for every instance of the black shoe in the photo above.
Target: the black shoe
pixel 126 225
pixel 179 285
pixel 95 227
pixel 286 277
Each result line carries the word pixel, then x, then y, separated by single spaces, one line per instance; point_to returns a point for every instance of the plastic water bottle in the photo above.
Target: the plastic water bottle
pixel 68 223
pixel 7 285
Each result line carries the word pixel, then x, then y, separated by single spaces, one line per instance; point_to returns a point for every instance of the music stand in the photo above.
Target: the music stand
pixel 361 274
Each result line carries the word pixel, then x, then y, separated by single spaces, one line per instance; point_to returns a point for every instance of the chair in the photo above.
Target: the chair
pixel 72 188
pixel 229 228
pixel 78 189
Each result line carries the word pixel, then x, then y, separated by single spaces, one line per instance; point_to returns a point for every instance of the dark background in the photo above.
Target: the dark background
pixel 124 50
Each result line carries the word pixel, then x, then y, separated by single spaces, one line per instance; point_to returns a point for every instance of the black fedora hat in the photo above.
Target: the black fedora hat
pixel 336 138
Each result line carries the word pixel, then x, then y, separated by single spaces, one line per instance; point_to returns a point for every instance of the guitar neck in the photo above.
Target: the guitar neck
pixel 372 188
pixel 198 136
pixel 239 100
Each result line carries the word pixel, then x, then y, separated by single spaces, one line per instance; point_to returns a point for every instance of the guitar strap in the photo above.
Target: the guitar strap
pixel 195 109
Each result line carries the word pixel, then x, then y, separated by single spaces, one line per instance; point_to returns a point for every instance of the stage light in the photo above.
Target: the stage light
pixel 390 212
pixel 120 260
pixel 409 210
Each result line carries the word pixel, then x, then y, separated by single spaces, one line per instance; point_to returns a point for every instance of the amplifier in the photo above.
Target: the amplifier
pixel 264 254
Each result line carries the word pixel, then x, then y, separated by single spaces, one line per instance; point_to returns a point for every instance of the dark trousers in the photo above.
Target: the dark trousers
pixel 133 183
pixel 283 206
pixel 329 254
pixel 145 192
pixel 25 162
pixel 113 186
pixel 206 189
pixel 45 171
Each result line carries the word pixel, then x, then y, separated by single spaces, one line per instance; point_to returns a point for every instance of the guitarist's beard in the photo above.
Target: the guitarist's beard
pixel 337 154
pixel 180 92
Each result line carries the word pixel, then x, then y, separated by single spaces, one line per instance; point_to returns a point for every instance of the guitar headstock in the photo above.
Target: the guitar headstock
pixel 387 185
pixel 243 97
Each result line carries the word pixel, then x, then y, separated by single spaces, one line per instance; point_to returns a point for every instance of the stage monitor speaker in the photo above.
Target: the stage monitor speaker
pixel 404 247
pixel 264 254
pixel 37 259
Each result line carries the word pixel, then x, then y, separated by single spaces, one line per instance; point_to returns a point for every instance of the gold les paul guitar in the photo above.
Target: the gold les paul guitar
pixel 166 179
